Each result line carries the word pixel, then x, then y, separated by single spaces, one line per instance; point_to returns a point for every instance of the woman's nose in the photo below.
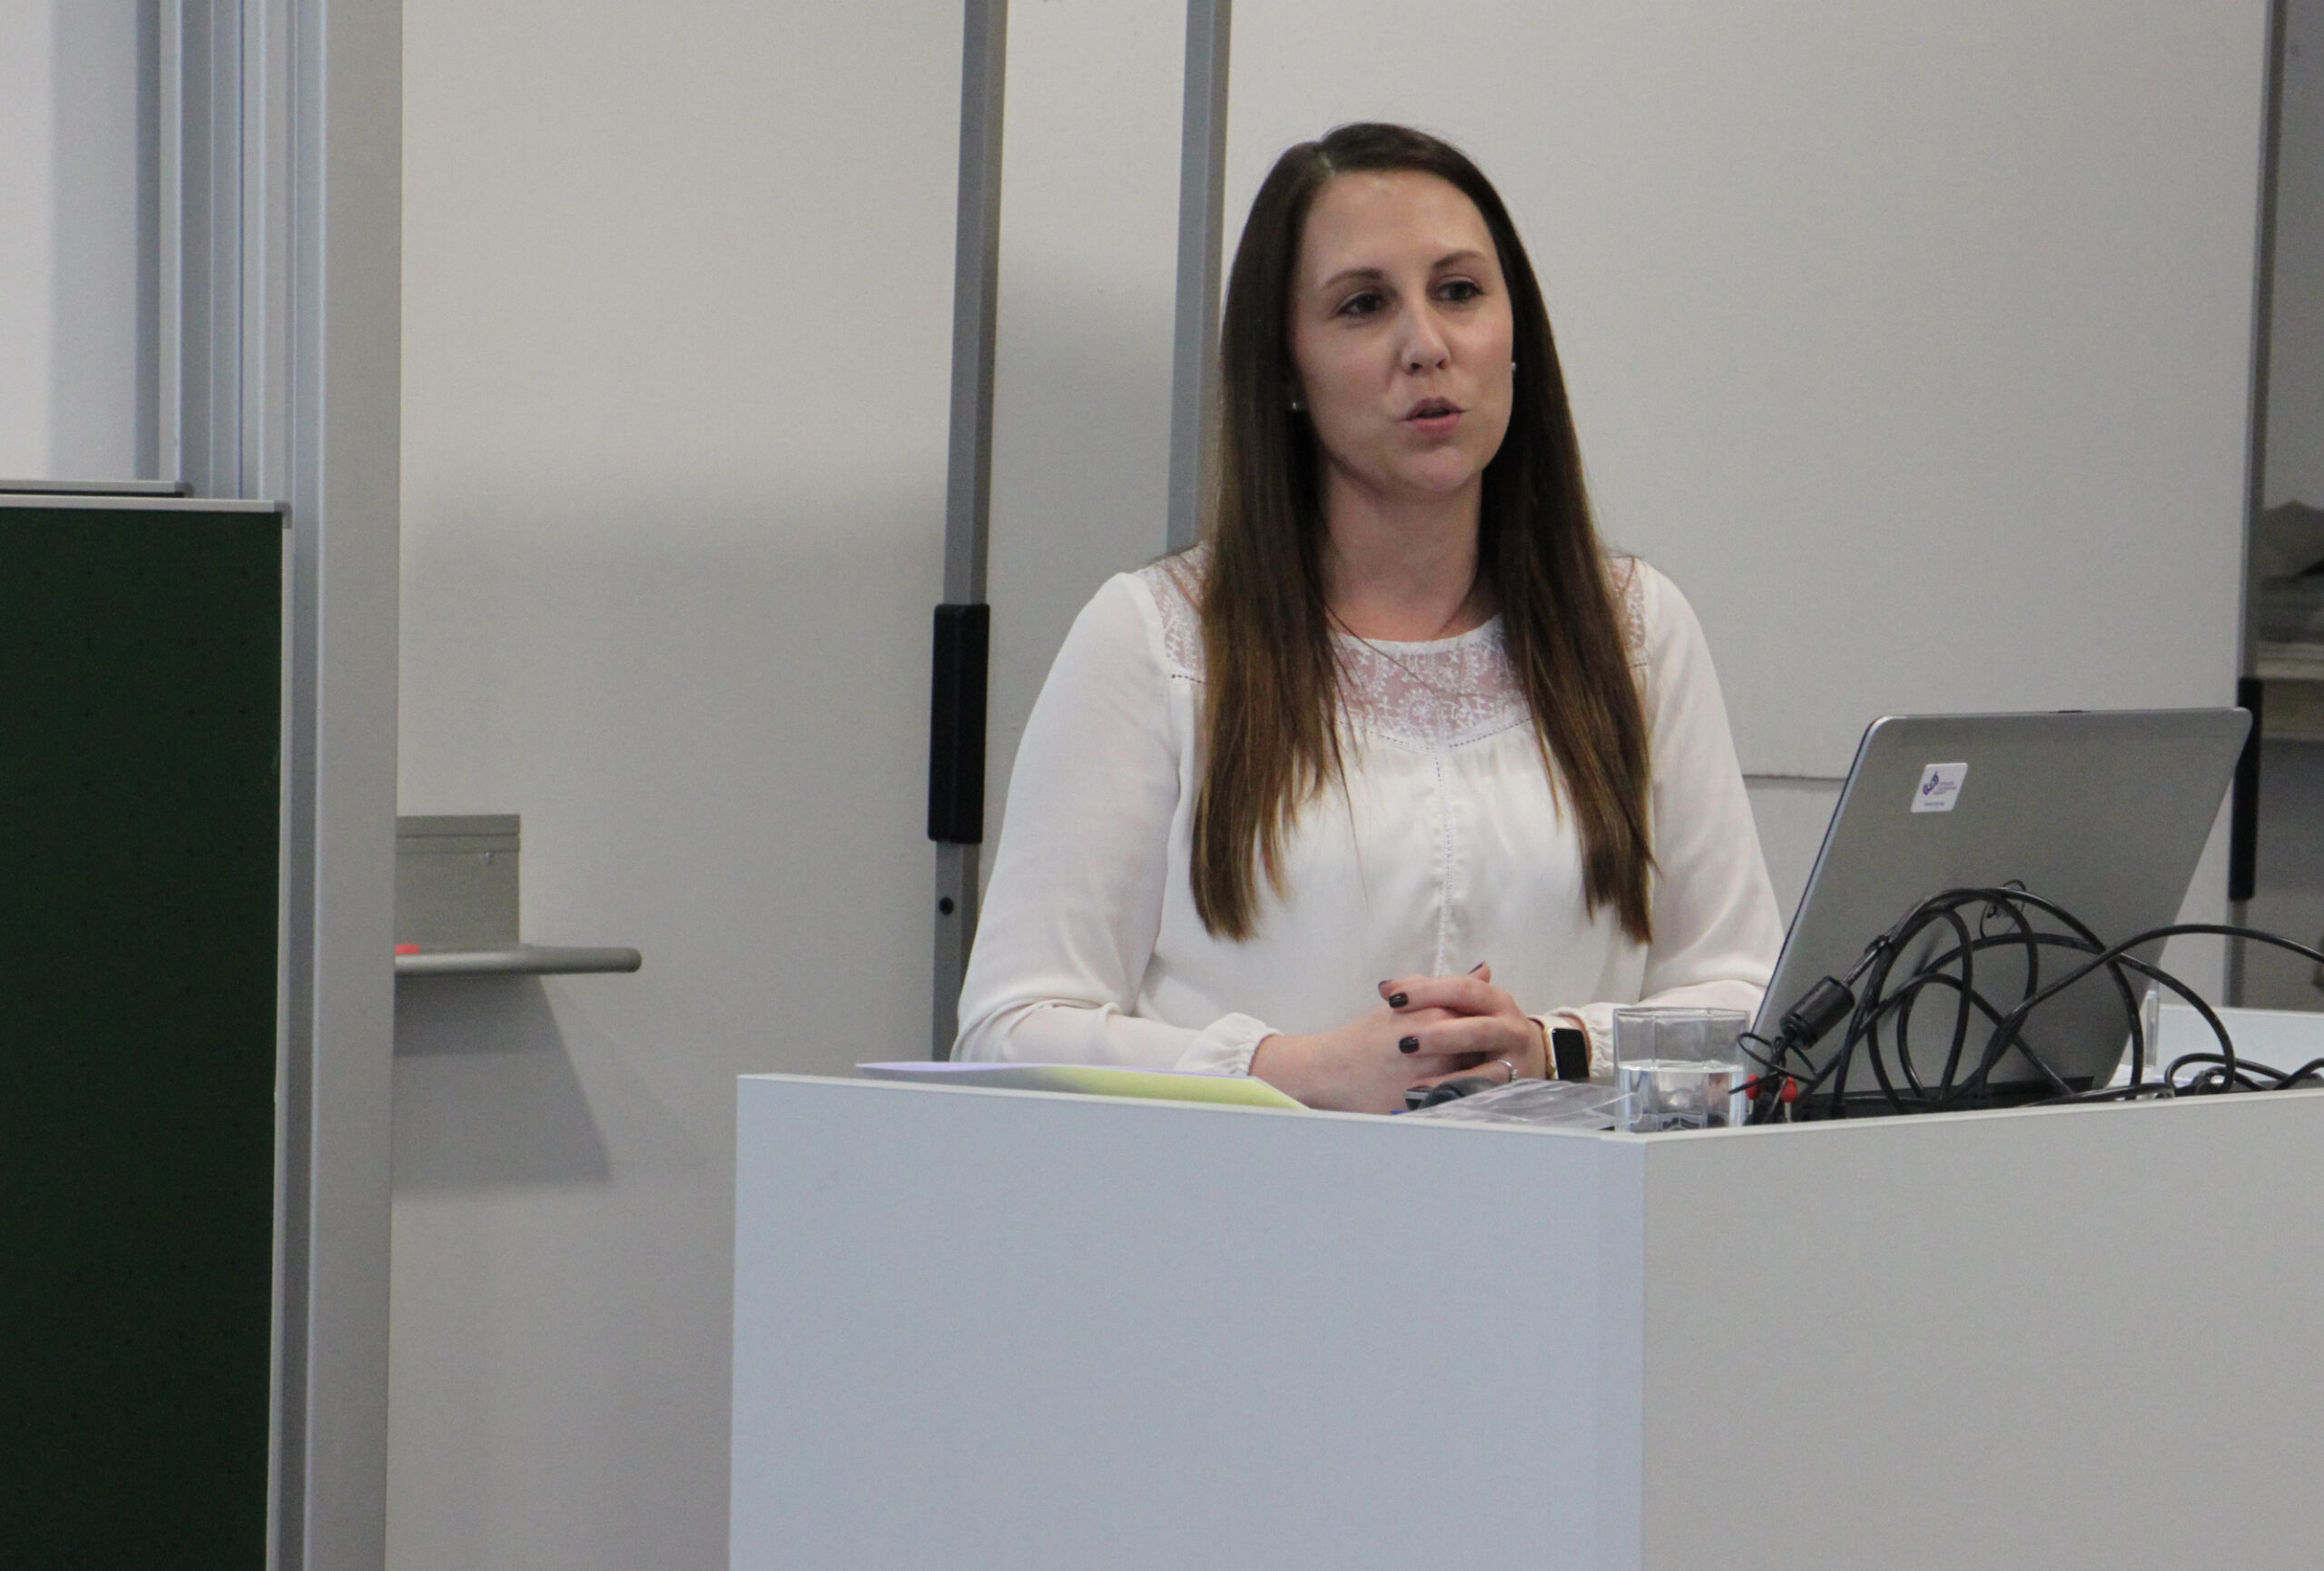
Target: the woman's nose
pixel 1424 345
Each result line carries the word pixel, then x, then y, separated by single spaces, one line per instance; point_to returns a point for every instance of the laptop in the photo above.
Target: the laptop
pixel 2104 813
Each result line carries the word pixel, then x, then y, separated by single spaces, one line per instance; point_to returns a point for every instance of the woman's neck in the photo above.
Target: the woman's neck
pixel 1403 572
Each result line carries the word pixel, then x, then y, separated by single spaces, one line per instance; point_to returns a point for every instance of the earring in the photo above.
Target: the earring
pixel 1299 406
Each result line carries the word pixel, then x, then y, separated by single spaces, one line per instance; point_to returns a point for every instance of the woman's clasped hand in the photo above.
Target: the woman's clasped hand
pixel 1426 1030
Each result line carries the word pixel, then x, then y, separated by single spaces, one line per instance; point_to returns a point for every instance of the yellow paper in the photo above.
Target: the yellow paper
pixel 1088 1080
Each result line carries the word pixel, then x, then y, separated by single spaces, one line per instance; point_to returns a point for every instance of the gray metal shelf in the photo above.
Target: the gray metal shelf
pixel 518 960
pixel 96 488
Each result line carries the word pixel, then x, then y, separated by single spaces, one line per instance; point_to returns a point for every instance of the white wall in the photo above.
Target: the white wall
pixel 1081 416
pixel 74 266
pixel 27 244
pixel 677 316
pixel 1791 814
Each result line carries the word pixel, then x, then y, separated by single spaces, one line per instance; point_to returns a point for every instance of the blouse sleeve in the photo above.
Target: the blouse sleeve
pixel 1070 916
pixel 1715 930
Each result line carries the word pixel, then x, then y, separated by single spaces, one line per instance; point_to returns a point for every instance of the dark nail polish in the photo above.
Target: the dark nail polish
pixel 1479 966
pixel 1397 1000
pixel 1409 1044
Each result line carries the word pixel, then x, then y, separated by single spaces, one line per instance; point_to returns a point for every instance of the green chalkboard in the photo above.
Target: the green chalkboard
pixel 140 726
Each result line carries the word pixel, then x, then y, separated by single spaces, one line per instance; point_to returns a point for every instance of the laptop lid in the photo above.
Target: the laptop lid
pixel 2104 813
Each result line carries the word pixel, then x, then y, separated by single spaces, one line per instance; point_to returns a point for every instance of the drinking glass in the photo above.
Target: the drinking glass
pixel 1681 1068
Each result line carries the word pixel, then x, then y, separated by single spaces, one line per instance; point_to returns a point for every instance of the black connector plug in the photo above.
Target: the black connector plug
pixel 1810 1020
pixel 1805 1025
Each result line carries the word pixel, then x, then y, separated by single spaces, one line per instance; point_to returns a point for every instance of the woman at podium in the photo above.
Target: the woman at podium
pixel 1399 769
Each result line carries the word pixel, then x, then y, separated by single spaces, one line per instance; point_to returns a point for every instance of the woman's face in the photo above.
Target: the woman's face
pixel 1401 337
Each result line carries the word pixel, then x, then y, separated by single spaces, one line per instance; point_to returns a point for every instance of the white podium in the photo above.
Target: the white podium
pixel 980 1329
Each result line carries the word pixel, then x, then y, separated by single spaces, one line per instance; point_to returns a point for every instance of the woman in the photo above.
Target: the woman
pixel 1397 770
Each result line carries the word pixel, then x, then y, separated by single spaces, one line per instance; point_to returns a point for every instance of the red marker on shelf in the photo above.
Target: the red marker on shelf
pixel 406 949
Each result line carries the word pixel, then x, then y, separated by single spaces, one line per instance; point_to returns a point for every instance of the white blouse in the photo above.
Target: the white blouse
pixel 1447 847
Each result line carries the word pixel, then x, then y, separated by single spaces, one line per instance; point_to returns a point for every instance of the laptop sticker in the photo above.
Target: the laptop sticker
pixel 1940 787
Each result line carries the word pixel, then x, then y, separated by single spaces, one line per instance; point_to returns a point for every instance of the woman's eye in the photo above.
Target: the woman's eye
pixel 1459 290
pixel 1364 304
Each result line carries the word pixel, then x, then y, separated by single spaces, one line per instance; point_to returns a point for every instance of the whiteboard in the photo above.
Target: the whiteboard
pixel 1912 341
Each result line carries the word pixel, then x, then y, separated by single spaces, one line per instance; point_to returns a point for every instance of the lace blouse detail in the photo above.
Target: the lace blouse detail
pixel 1441 693
pixel 1438 694
pixel 1629 585
pixel 1172 581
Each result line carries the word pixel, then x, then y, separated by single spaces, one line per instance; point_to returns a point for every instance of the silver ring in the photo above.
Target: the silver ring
pixel 1512 1070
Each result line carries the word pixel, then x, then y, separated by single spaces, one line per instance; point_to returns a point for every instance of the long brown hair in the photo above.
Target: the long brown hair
pixel 1270 714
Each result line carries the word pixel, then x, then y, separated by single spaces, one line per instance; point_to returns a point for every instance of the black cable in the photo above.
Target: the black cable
pixel 1910 995
pixel 1879 1016
pixel 2010 1035
pixel 2031 941
pixel 2121 951
pixel 1879 1001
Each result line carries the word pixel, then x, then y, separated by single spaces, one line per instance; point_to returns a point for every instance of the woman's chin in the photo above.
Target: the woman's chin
pixel 1432 481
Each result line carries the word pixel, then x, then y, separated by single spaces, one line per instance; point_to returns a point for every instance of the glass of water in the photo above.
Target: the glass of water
pixel 1681 1068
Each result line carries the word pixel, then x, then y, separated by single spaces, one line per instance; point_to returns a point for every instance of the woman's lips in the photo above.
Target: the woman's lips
pixel 1434 417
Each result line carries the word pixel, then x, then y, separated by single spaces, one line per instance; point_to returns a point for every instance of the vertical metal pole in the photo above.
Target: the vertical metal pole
pixel 1202 181
pixel 202 239
pixel 156 99
pixel 281 248
pixel 2243 831
pixel 976 276
pixel 261 463
pixel 169 283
